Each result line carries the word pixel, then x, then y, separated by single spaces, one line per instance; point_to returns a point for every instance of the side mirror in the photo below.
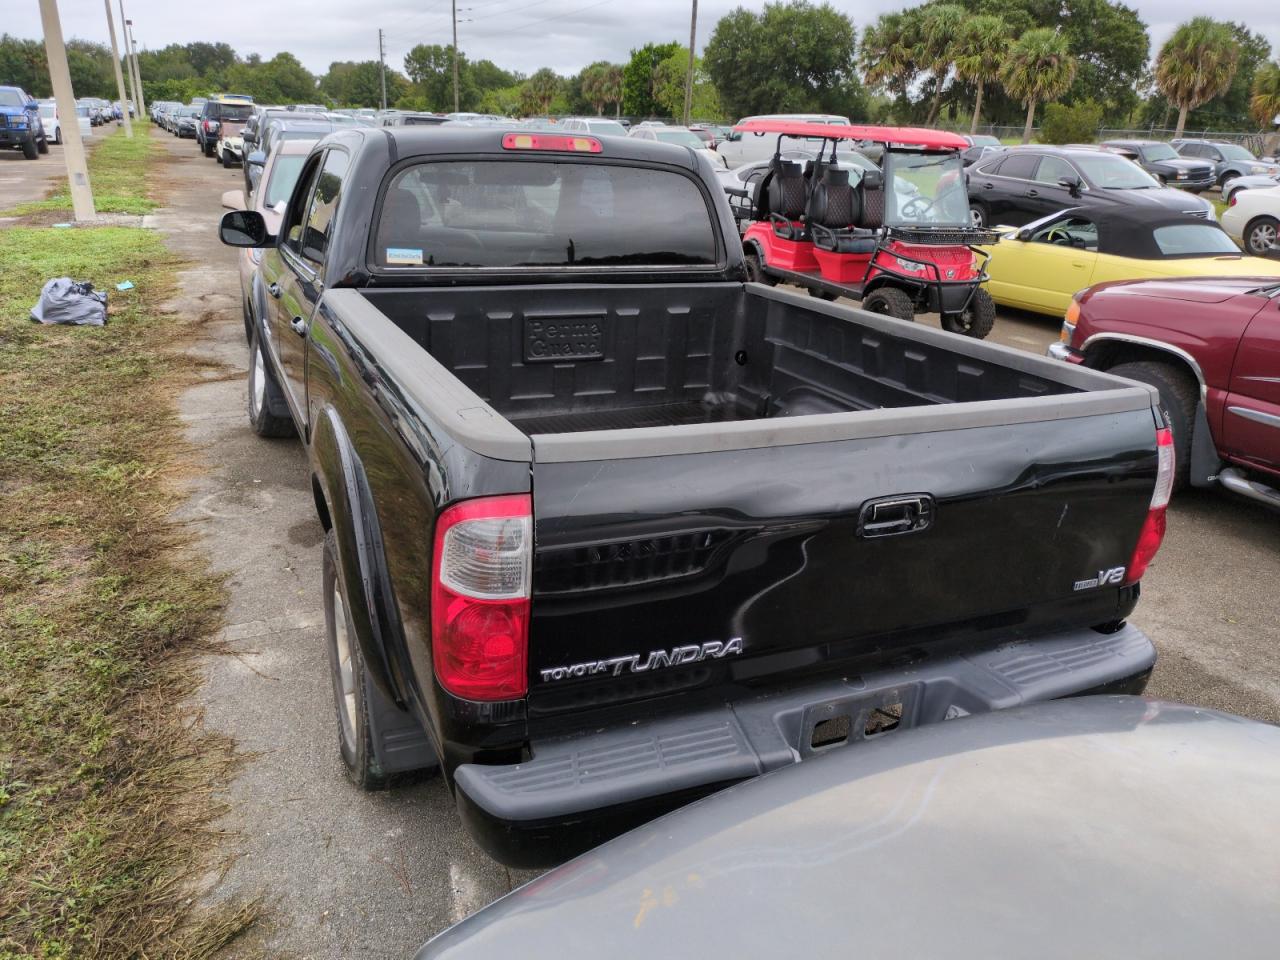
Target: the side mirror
pixel 1071 184
pixel 244 228
pixel 234 200
pixel 256 159
pixel 1024 235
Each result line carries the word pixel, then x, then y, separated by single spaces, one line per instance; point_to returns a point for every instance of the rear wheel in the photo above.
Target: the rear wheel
pixel 57 136
pixel 755 270
pixel 891 302
pixel 1178 397
pixel 1260 236
pixel 977 318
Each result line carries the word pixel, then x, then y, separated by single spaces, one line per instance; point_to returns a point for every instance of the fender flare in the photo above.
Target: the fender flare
pixel 349 502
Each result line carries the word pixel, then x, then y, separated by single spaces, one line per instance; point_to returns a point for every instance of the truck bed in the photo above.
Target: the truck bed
pixel 560 360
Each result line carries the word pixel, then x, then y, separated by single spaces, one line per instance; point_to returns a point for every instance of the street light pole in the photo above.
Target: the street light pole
pixel 688 80
pixel 382 64
pixel 72 146
pixel 115 62
pixel 128 60
pixel 456 108
pixel 137 72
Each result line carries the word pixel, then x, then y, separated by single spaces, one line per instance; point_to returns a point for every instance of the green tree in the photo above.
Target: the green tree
pixel 1264 103
pixel 487 75
pixel 937 28
pixel 1111 47
pixel 1197 64
pixel 354 84
pixel 1077 123
pixel 430 69
pixel 638 79
pixel 22 62
pixel 979 47
pixel 669 84
pixel 1038 67
pixel 791 57
pixel 504 101
pixel 540 90
pixel 886 55
pixel 593 85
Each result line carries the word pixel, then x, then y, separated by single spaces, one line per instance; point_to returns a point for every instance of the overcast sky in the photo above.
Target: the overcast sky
pixel 516 34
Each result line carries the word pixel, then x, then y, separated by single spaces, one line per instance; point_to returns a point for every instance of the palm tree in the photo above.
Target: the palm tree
pixel 979 48
pixel 1197 64
pixel 611 87
pixel 935 35
pixel 593 86
pixel 1038 67
pixel 541 89
pixel 1265 102
pixel 887 58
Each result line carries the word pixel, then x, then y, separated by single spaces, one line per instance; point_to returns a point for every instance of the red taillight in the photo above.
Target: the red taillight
pixel 1152 534
pixel 480 597
pixel 1231 201
pixel 551 141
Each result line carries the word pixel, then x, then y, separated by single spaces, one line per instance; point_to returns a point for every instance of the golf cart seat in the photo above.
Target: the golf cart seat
pixel 835 208
pixel 787 198
pixel 871 200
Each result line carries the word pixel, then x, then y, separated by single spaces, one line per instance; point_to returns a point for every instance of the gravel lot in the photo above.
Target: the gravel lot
pixel 350 874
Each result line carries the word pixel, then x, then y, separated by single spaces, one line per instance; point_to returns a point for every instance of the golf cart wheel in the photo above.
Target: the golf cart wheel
pixel 755 270
pixel 976 320
pixel 891 302
pixel 1260 236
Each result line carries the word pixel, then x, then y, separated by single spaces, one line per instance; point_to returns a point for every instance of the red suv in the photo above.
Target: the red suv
pixel 1211 348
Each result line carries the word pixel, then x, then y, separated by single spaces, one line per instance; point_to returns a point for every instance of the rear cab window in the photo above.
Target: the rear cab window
pixel 515 214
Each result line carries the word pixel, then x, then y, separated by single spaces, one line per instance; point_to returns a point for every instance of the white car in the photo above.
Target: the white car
pixel 49 120
pixel 738 148
pixel 681 135
pixel 1252 218
pixel 600 126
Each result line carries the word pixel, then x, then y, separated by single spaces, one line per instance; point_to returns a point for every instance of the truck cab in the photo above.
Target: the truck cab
pixel 20 126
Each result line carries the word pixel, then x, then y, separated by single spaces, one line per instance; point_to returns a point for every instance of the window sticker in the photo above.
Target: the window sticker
pixel 404 256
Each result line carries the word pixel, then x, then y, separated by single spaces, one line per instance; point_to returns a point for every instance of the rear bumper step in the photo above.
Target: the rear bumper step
pixel 599 775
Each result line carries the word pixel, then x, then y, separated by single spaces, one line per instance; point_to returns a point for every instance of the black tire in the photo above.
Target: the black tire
pixel 1260 236
pixel 43 145
pixel 977 319
pixel 979 215
pixel 755 270
pixel 347 671
pixel 1179 395
pixel 57 136
pixel 891 302
pixel 30 149
pixel 266 395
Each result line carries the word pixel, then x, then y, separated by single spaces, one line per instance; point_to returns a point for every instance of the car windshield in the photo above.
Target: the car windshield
pixel 686 138
pixel 1160 151
pixel 284 174
pixel 926 188
pixel 236 113
pixel 606 128
pixel 1233 151
pixel 1113 173
pixel 981 141
pixel 487 213
pixel 10 98
pixel 1193 240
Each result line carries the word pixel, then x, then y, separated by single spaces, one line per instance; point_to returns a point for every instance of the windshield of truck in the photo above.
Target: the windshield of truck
pixel 1113 173
pixel 1160 151
pixel 10 98
pixel 284 174
pixel 517 213
pixel 926 188
pixel 234 112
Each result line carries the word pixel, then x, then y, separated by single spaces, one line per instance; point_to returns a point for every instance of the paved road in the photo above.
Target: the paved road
pixel 23 180
pixel 373 875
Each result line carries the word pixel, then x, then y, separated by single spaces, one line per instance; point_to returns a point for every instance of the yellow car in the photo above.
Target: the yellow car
pixel 1042 265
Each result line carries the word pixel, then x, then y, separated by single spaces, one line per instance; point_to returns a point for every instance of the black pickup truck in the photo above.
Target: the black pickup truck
pixel 610 528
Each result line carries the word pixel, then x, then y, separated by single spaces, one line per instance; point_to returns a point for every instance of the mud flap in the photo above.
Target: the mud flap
pixel 399 742
pixel 1205 462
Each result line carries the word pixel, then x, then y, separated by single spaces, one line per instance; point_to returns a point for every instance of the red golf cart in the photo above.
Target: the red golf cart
pixel 899 238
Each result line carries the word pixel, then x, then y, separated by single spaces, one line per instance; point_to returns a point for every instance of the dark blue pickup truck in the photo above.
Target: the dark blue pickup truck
pixel 20 125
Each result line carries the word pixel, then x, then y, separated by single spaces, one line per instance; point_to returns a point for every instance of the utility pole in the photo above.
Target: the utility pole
pixel 382 63
pixel 72 146
pixel 456 108
pixel 115 62
pixel 128 60
pixel 688 81
pixel 131 51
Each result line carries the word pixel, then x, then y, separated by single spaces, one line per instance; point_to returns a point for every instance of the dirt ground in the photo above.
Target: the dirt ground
pixel 350 874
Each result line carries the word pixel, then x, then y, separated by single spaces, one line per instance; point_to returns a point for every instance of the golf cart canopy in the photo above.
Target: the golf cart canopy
pixel 896 136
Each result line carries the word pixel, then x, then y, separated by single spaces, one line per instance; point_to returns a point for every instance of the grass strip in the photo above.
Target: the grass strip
pixel 117 173
pixel 106 783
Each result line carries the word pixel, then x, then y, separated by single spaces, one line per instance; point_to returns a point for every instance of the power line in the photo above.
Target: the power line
pixel 560 16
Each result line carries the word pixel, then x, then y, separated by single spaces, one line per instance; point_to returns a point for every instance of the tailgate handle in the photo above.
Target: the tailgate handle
pixel 891 516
